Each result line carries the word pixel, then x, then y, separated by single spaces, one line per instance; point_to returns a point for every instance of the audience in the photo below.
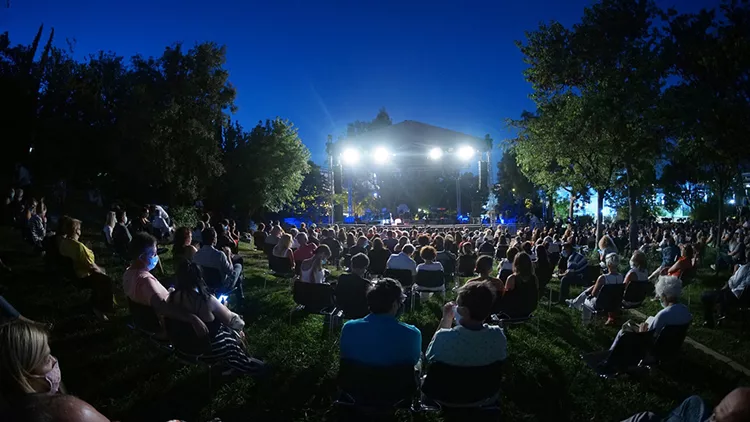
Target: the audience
pixel 588 296
pixel 210 257
pixel 637 273
pixel 471 342
pixel 197 233
pixel 390 241
pixel 259 236
pixel 89 274
pixel 521 292
pixel 311 269
pixel 734 407
pixel 467 260
pixel 379 339
pixel 224 327
pixel 30 379
pixel 224 238
pixel 669 254
pixel 109 225
pixel 402 260
pixel 484 268
pixel 728 296
pixel 182 248
pixel 142 223
pixel 351 289
pixel 120 234
pixel 684 263
pixel 575 273
pixel 283 249
pixel 378 256
pixel 428 255
pixel 38 226
pixel 333 244
pixel 305 250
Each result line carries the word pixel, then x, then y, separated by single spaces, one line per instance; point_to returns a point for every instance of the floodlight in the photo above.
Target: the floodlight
pixel 436 153
pixel 465 152
pixel 381 155
pixel 350 156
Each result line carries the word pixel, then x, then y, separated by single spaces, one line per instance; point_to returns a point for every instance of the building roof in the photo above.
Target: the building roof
pixel 412 136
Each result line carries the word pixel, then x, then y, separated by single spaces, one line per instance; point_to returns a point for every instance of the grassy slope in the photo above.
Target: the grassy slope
pixel 126 378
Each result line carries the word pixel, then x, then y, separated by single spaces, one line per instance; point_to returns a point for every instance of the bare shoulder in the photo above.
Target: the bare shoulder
pixel 73 409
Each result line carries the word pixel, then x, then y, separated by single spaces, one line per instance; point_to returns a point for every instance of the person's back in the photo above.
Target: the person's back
pixel 351 295
pixel 121 239
pixel 378 259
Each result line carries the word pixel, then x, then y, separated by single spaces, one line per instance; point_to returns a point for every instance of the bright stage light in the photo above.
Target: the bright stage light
pixel 465 152
pixel 381 155
pixel 436 153
pixel 350 156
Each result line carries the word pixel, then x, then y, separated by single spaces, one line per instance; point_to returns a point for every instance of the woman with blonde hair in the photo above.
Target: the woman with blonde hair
pixel 30 379
pixel 109 224
pixel 283 249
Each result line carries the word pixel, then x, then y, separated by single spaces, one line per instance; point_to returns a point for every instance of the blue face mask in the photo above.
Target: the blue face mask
pixel 456 315
pixel 324 261
pixel 152 262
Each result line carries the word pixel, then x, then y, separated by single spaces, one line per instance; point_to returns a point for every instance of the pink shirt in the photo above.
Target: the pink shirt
pixel 305 252
pixel 140 286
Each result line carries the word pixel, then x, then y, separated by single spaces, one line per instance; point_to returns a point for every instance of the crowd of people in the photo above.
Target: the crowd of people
pixel 508 273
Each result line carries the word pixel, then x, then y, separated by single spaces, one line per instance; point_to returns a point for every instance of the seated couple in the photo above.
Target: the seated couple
pixel 189 302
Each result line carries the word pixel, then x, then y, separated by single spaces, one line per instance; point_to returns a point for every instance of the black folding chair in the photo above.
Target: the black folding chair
pixel 280 266
pixel 629 351
pixel 635 294
pixel 609 299
pixel 314 298
pixel 430 281
pixel 667 344
pixel 449 269
pixel 188 346
pixel 146 322
pixel 479 387
pixel 268 249
pixel 215 283
pixel 375 390
pixel 406 279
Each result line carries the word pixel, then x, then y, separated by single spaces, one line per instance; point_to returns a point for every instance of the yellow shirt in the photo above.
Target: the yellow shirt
pixel 83 257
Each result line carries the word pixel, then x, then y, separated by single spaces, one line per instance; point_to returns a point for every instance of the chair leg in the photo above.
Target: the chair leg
pixel 210 370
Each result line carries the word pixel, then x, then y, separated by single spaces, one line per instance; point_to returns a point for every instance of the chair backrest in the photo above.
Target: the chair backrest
pixel 268 249
pixel 184 339
pixel 144 317
pixel 280 264
pixel 462 384
pixel 688 276
pixel 630 349
pixel 504 274
pixel 592 273
pixel 430 279
pixel 449 265
pixel 669 341
pixel 212 277
pixel 637 291
pixel 403 276
pixel 609 298
pixel 314 296
pixel 377 385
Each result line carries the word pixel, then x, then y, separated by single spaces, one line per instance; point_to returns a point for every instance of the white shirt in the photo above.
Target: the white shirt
pixel 640 275
pixel 677 314
pixel 740 280
pixel 460 346
pixel 159 212
pixel 433 266
pixel 401 261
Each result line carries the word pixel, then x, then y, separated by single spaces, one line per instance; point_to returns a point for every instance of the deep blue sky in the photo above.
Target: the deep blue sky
pixel 323 64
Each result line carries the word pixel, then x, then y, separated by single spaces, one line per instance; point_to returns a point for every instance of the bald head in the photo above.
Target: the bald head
pixel 735 407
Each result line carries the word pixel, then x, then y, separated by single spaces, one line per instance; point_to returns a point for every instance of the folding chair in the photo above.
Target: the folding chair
pixel 635 294
pixel 449 269
pixel 629 351
pixel 406 279
pixel 430 282
pixel 609 299
pixel 313 298
pixel 687 278
pixel 215 283
pixel 145 322
pixel 375 390
pixel 667 345
pixel 188 346
pixel 461 387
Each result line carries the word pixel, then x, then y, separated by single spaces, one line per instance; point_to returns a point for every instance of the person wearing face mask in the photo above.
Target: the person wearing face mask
pixel 471 342
pixel 734 407
pixel 668 290
pixel 311 270
pixel 143 288
pixel 30 384
pixel 89 274
pixel 380 339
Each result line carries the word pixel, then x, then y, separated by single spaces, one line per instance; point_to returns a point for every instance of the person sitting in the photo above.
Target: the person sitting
pixel 378 256
pixel 487 247
pixel 668 289
pixel 669 254
pixel 259 236
pixel 224 326
pixel 351 289
pixel 311 269
pixel 728 296
pixel 484 268
pixel 31 379
pixel 402 241
pixel 542 266
pixel 444 254
pixel 606 247
pixel 428 255
pixel 283 249
pixel 502 248
pixel 521 292
pixel 379 339
pixel 224 239
pixel 637 272
pixel 142 223
pixel 390 241
pixel 588 296
pixel 329 239
pixel 305 250
pixel 143 288
pixel 574 274
pixel 120 234
pixel 89 274
pixel 197 234
pixel 182 249
pixel 505 269
pixel 109 225
pixel 734 407
pixel 467 260
pixel 402 260
pixel 360 247
pixel 471 342
pixel 210 257
pixel 160 224
pixel 684 263
pixel 38 226
pixel 275 235
pixel 422 241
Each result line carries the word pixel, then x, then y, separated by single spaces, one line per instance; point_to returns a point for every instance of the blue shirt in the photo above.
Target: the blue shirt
pixel 381 340
pixel 669 255
pixel 577 263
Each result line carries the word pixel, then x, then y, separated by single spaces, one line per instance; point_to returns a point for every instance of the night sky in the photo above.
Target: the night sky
pixel 323 64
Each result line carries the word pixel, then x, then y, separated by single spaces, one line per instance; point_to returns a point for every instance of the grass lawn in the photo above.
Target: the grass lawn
pixel 128 379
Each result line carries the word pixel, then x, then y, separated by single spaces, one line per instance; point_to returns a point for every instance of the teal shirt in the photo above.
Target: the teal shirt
pixel 381 340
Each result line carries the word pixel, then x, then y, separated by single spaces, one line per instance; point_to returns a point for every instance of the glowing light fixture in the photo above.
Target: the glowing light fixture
pixel 350 156
pixel 436 153
pixel 381 155
pixel 465 152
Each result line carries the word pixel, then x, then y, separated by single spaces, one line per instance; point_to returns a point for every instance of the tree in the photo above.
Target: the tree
pixel 313 197
pixel 513 188
pixel 381 120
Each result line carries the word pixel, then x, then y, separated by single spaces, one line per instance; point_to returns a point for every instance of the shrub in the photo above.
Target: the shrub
pixel 184 216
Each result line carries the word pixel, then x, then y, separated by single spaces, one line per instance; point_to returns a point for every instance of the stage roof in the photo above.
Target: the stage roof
pixel 412 136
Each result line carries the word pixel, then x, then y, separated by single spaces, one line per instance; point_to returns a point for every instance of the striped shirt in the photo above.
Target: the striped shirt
pixel 577 263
